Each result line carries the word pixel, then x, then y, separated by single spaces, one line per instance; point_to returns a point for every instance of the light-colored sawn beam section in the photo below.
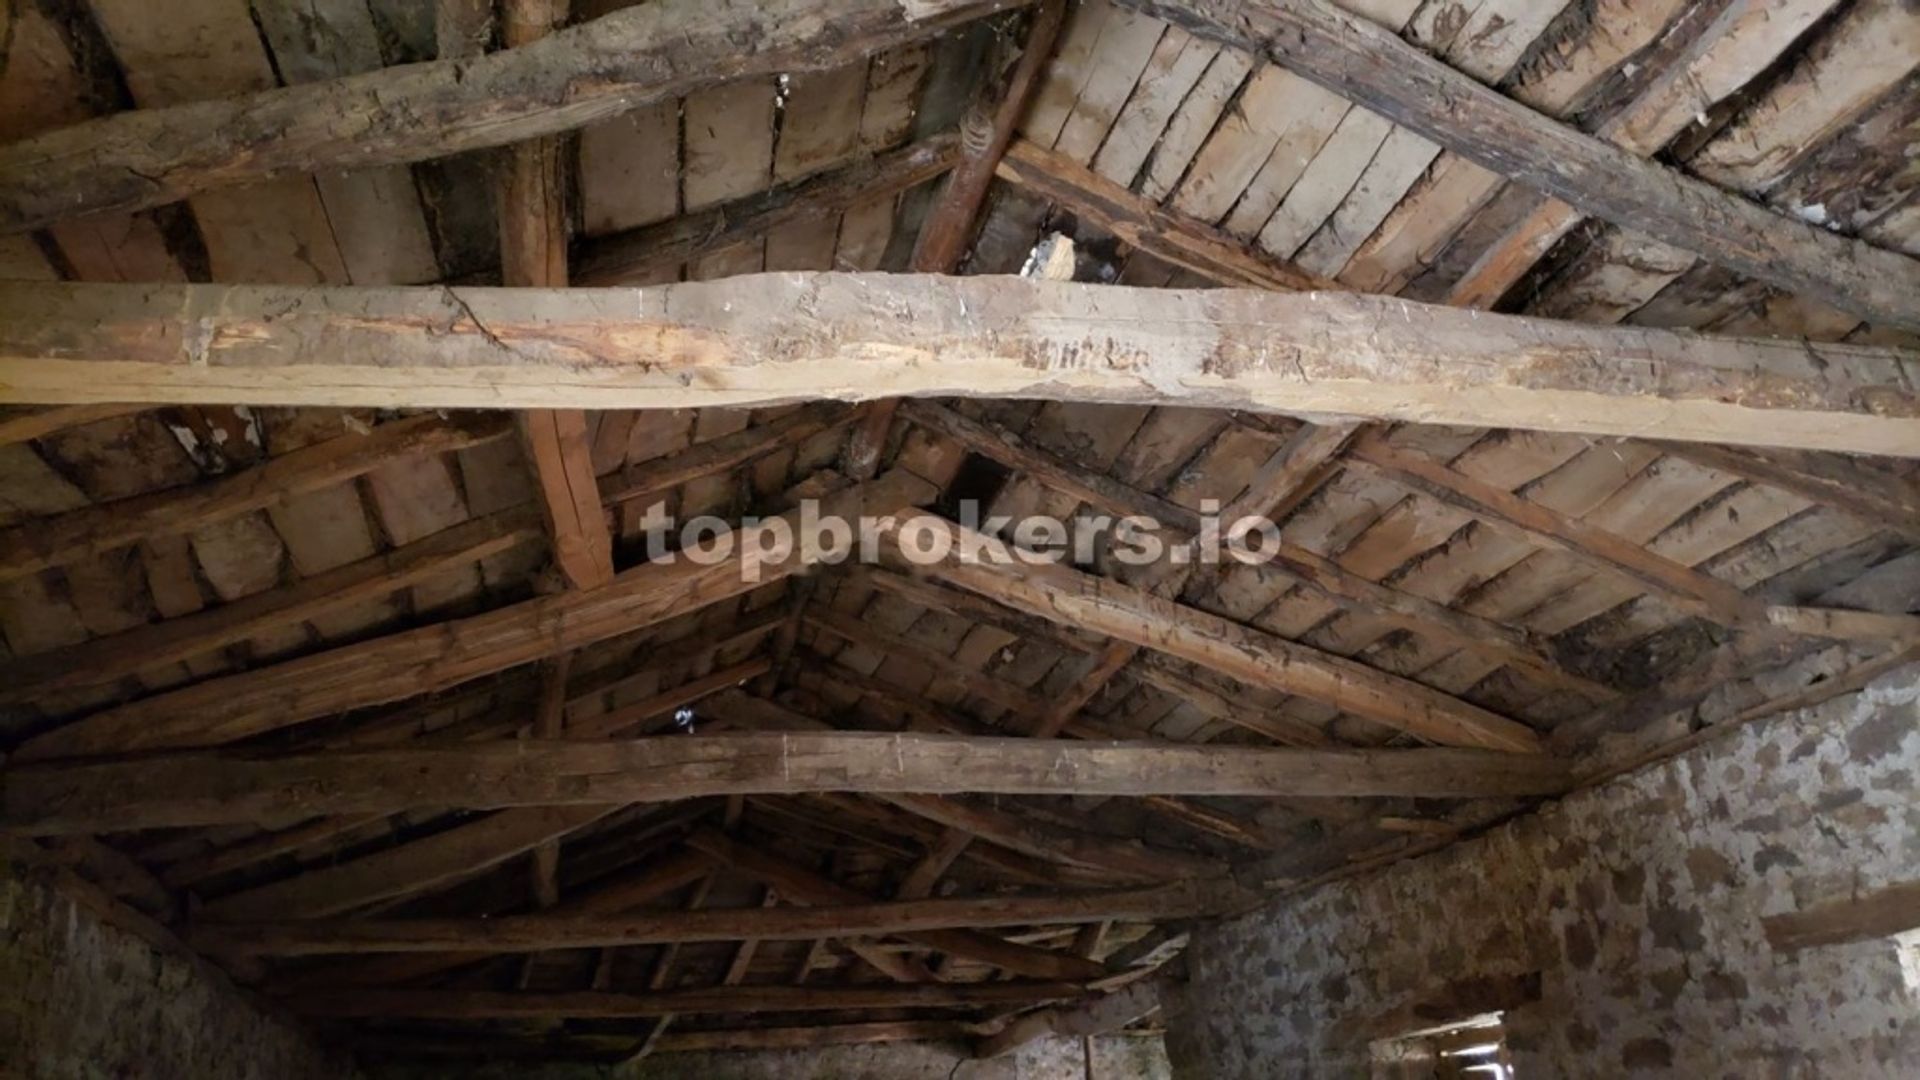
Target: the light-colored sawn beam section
pixel 598 69
pixel 1373 67
pixel 771 338
pixel 215 788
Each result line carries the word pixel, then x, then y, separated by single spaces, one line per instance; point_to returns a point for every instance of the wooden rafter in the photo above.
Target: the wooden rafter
pixel 804 886
pixel 209 788
pixel 533 933
pixel 1098 1015
pixel 434 657
pixel 588 1004
pixel 1165 234
pixel 590 72
pixel 46 542
pixel 1241 652
pixel 624 257
pixel 1371 66
pixel 737 343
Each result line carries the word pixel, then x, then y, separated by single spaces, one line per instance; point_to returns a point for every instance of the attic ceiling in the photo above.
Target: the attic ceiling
pixel 181 576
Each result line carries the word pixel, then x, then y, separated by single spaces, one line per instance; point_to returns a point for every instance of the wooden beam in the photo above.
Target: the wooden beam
pixel 623 257
pixel 1241 652
pixel 1141 223
pixel 36 545
pixel 1879 913
pixel 536 933
pixel 1101 1015
pixel 625 892
pixel 419 865
pixel 802 885
pixel 655 478
pixel 579 76
pixel 947 231
pixel 25 425
pixel 805 1038
pixel 533 253
pixel 736 343
pixel 595 1005
pixel 1875 494
pixel 437 656
pixel 213 787
pixel 108 659
pixel 1686 588
pixel 1373 67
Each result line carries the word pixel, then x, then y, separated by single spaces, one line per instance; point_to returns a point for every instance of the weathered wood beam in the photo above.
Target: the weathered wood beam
pixel 533 253
pixel 1240 652
pixel 800 884
pixel 773 338
pixel 579 76
pixel 802 1038
pixel 1879 913
pixel 116 656
pixel 623 257
pixel 213 787
pixel 624 892
pixel 413 867
pixel 490 1005
pixel 36 545
pixel 947 230
pixel 535 933
pixel 1141 223
pixel 1686 588
pixel 1874 494
pixel 1373 67
pixel 24 425
pixel 435 657
pixel 1101 1015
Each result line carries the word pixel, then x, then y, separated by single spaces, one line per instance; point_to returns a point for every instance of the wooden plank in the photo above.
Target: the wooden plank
pixel 734 344
pixel 1165 234
pixel 576 77
pixel 437 656
pixel 211 788
pixel 1377 70
pixel 1746 37
pixel 556 444
pixel 105 659
pixel 588 1004
pixel 37 545
pixel 538 932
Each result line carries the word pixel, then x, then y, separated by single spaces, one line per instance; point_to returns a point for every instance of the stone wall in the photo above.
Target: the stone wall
pixel 1629 913
pixel 82 1000
pixel 1113 1058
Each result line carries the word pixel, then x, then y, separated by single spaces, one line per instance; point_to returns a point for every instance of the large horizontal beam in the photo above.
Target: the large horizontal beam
pixel 213 788
pixel 437 656
pixel 600 69
pixel 1371 66
pixel 773 338
pixel 535 933
pixel 490 1005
